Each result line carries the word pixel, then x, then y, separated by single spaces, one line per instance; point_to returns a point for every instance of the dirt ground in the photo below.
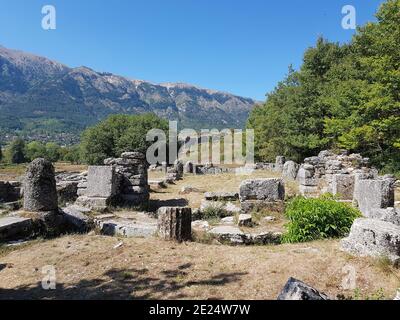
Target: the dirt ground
pixel 99 267
pixel 90 267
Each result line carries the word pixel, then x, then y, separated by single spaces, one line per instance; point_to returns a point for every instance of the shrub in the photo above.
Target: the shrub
pixel 312 219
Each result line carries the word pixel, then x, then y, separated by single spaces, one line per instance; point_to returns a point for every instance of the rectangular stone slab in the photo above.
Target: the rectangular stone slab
pixel 102 182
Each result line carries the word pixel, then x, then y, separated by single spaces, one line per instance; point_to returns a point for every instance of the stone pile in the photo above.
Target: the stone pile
pixel 261 194
pixel 378 233
pixel 333 173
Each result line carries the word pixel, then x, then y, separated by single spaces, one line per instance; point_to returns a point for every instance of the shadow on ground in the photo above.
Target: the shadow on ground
pixel 123 284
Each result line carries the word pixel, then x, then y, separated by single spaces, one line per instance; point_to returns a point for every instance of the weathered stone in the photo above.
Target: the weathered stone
pixel 391 215
pixel 372 237
pixel 127 228
pixel 373 194
pixel 264 238
pixel 188 189
pixel 67 191
pixel 101 181
pixel 261 205
pixel 40 192
pixel 309 191
pixel 306 177
pixel 343 186
pixel 228 220
pixel 229 234
pixel 76 220
pixel 15 228
pixel 262 189
pixel 290 170
pixel 164 167
pixel 174 223
pixel 94 203
pixel 200 225
pixel 221 196
pixel 279 163
pixel 298 290
pixel 133 155
pixel 188 168
pixel 245 220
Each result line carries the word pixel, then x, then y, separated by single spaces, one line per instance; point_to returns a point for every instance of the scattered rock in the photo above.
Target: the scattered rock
pixel 245 220
pixel 228 234
pixel 228 220
pixel 201 225
pixel 298 290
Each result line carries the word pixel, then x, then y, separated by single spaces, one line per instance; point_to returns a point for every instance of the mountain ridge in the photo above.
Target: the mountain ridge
pixel 47 97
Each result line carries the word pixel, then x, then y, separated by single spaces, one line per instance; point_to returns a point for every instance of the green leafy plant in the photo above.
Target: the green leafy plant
pixel 313 219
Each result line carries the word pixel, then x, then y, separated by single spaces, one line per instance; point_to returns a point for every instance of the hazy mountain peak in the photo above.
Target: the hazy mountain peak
pixel 34 88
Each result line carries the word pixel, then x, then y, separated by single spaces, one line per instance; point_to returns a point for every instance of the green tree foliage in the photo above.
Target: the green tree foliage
pixel 15 152
pixel 118 134
pixel 343 96
pixel 71 154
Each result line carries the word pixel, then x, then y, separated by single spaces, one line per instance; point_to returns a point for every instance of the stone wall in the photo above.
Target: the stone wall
pixel 333 173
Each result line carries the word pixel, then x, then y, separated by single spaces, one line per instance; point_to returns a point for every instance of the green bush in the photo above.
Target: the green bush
pixel 313 219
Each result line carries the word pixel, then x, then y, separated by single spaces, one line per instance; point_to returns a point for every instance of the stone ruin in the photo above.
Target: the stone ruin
pixel 332 173
pixel 121 181
pixel 377 234
pixel 261 194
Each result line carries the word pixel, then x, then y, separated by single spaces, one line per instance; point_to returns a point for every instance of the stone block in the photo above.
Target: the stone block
pixel 102 181
pixel 175 223
pixel 373 194
pixel 262 189
pixel 375 238
pixel 343 186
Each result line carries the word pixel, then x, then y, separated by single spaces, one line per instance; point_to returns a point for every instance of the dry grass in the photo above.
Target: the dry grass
pixel 88 267
pixel 228 182
pixel 14 172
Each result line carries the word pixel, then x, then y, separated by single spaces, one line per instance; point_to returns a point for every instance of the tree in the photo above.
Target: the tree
pixel 52 151
pixel 34 150
pixel 117 134
pixel 343 96
pixel 16 151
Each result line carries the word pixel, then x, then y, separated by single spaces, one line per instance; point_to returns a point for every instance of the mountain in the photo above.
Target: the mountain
pixel 46 99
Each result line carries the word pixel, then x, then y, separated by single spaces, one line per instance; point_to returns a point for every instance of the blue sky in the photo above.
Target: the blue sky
pixel 243 47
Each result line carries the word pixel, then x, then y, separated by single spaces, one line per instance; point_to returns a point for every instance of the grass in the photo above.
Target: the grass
pixel 9 172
